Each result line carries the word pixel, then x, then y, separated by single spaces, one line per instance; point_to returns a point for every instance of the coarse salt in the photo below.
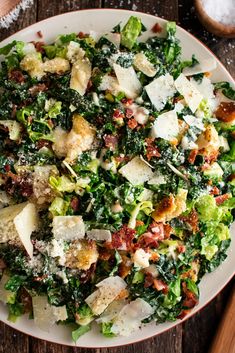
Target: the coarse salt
pixel 221 11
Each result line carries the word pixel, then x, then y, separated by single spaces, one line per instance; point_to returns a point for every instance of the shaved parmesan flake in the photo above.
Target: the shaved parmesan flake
pixel 157 178
pixel 193 121
pixel 223 143
pixel 206 88
pixel 17 224
pixel 46 315
pixel 146 195
pixel 144 65
pixel 141 258
pixel 112 311
pixel 99 234
pixel 68 227
pixel 55 249
pixel 130 317
pixel 205 65
pixel 166 126
pixel 109 83
pixel 187 144
pixel 179 107
pixel 114 38
pixel 128 80
pixel 140 113
pixel 107 291
pixel 136 171
pixel 190 93
pixel 80 75
pixel 74 52
pixel 160 90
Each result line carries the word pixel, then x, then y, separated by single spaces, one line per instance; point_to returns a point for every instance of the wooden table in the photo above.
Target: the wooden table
pixel 196 334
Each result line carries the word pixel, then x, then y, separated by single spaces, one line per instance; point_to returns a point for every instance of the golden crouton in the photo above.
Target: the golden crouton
pixel 81 254
pixel 170 207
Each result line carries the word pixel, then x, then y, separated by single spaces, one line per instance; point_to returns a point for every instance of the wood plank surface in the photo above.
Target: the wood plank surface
pixel 196 334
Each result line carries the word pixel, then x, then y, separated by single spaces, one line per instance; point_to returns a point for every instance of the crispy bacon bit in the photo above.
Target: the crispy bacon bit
pixel 191 299
pixel 192 220
pixel 7 168
pixel 181 249
pixel 167 231
pixel 192 156
pixel 129 113
pixel 43 143
pixel 159 285
pixel 110 141
pixel 214 191
pixel 156 28
pixel 147 240
pixel 39 47
pixel 205 166
pixel 226 112
pixel 127 101
pixel 132 123
pixel 39 33
pixel 34 90
pixel 122 239
pixel 148 280
pixel 211 157
pixel 82 35
pixel 74 203
pixel 121 159
pixel 157 229
pixel 151 149
pixel 221 199
pixel 17 76
pixel 156 232
pixel 118 114
pixel 22 183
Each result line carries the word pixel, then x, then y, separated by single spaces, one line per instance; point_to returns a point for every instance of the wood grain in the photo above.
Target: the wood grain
pixel 12 341
pixel 196 334
pixel 50 8
pixel 26 18
pixel 225 336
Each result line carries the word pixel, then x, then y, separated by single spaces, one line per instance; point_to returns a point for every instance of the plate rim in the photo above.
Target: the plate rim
pixel 210 52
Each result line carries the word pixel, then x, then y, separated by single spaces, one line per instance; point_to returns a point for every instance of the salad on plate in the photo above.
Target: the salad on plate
pixel 117 178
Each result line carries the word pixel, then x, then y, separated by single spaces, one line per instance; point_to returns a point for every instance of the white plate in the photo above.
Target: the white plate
pixel 103 20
